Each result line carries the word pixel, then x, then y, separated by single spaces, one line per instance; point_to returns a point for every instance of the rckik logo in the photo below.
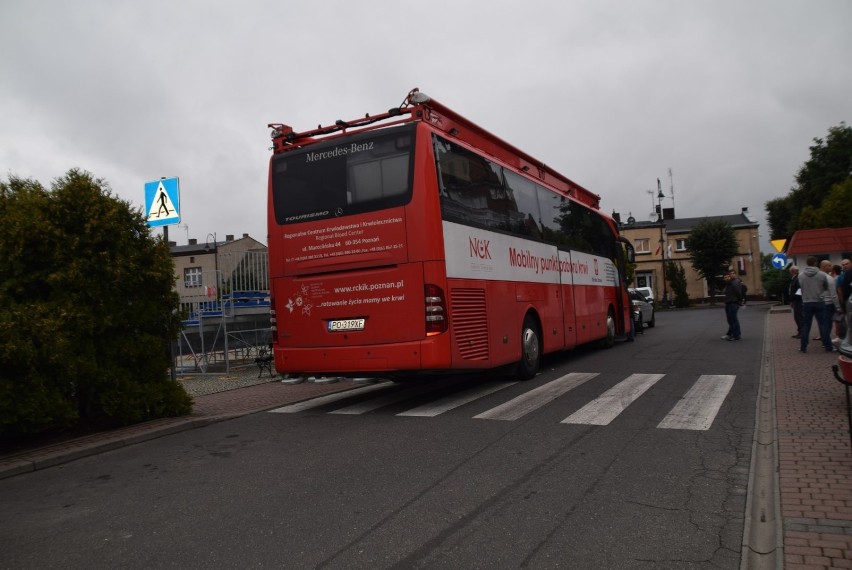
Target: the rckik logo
pixel 479 247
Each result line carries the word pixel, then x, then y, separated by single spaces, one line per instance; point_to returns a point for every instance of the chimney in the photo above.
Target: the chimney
pixel 229 237
pixel 245 235
pixel 193 241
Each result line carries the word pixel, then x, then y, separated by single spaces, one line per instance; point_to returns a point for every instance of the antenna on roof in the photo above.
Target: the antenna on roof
pixel 671 187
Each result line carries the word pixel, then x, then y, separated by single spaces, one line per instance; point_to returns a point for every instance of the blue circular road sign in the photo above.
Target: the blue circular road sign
pixel 779 260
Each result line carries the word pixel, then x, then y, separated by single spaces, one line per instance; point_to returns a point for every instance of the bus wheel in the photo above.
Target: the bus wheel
pixel 609 341
pixel 530 361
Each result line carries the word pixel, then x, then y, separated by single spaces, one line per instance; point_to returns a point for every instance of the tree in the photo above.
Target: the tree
pixel 711 243
pixel 834 212
pixel 830 164
pixel 775 282
pixel 677 279
pixel 88 309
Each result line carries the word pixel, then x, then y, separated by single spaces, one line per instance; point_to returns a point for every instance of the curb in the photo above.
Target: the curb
pixel 763 546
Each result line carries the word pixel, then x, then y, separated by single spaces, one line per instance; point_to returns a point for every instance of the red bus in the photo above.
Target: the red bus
pixel 414 240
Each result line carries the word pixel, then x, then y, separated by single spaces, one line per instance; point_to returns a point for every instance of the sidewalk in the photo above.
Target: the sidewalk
pixel 814 451
pixel 812 435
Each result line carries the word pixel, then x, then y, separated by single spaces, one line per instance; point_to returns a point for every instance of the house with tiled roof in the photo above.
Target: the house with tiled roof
pixel 832 244
pixel 661 240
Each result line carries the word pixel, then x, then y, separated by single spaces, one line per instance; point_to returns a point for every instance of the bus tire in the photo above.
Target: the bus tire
pixel 609 340
pixel 530 361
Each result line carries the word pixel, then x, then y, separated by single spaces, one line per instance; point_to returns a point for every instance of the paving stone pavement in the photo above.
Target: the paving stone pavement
pixel 814 451
pixel 812 435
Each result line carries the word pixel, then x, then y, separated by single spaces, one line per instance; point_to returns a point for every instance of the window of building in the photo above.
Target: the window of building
pixel 680 244
pixel 192 277
pixel 642 245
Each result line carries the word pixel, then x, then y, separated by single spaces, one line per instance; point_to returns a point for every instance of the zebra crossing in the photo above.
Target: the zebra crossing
pixel 696 410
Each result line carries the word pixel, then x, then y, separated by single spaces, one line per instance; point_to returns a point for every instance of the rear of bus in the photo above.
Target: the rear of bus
pixel 355 254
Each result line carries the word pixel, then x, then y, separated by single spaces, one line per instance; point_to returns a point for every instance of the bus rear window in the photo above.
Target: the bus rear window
pixel 366 172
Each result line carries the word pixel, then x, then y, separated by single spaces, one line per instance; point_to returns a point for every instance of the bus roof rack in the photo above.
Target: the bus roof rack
pixel 419 106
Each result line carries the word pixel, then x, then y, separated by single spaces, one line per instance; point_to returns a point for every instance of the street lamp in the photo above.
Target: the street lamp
pixel 215 249
pixel 660 197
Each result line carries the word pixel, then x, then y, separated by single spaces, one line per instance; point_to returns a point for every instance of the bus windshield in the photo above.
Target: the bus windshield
pixel 371 171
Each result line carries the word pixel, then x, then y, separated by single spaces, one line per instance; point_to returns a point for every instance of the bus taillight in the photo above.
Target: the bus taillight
pixel 436 310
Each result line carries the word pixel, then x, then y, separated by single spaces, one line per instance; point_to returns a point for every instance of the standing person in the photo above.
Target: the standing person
pixel 843 282
pixel 734 298
pixel 794 293
pixel 831 306
pixel 813 283
pixel 839 320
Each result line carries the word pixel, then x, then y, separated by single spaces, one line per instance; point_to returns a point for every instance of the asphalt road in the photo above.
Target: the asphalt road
pixel 598 462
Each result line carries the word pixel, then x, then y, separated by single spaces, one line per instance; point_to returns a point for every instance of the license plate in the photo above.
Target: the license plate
pixel 346 325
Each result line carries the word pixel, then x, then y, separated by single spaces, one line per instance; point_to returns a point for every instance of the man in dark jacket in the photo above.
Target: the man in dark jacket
pixel 734 299
pixel 794 294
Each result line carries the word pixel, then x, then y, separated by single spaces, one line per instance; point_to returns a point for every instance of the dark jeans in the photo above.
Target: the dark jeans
pixel 796 303
pixel 827 323
pixel 809 311
pixel 731 310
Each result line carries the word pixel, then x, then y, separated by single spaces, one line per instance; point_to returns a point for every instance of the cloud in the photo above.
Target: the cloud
pixel 727 94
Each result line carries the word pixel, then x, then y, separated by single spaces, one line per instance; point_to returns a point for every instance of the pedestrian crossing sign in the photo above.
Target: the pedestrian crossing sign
pixel 162 202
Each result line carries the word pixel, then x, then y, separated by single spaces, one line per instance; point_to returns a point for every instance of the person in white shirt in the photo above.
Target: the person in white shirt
pixel 829 299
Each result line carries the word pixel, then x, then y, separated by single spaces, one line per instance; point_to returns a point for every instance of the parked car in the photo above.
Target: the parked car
pixel 645 308
pixel 646 292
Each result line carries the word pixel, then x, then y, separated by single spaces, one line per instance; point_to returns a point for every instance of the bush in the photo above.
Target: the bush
pixel 89 309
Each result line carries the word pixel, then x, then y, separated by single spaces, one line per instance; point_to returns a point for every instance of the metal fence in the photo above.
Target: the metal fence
pixel 225 315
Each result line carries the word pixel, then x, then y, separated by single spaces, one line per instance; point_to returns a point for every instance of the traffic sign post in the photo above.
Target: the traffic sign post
pixel 162 202
pixel 779 261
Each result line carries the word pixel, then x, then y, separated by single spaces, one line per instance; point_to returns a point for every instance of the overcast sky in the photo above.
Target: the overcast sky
pixel 727 94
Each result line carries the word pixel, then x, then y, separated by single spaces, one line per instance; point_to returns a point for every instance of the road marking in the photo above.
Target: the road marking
pixel 534 399
pixel 695 411
pixel 452 401
pixel 698 408
pixel 323 400
pixel 382 401
pixel 606 407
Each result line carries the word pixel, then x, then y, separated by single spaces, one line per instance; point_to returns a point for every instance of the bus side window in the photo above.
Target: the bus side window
pixel 524 195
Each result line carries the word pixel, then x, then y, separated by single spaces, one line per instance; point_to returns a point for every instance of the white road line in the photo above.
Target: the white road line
pixel 534 399
pixel 698 408
pixel 382 401
pixel 452 401
pixel 323 400
pixel 606 407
